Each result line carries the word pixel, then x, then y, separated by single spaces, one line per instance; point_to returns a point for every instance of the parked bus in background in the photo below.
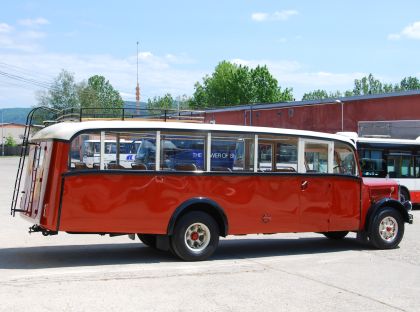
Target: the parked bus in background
pixel 91 150
pixel 391 158
pixel 183 198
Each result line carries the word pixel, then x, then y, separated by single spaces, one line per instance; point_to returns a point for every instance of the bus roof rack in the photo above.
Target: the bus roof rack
pixel 124 113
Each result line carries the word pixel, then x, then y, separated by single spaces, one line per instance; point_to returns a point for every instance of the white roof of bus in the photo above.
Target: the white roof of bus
pixel 354 137
pixel 390 141
pixel 66 130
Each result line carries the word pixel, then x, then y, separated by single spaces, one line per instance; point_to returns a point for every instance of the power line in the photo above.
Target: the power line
pixel 24 71
pixel 25 80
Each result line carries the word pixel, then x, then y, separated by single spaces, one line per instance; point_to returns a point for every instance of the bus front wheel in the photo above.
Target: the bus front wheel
pixel 387 229
pixel 195 237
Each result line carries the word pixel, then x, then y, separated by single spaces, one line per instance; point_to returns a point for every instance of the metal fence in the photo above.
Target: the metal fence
pixel 10 150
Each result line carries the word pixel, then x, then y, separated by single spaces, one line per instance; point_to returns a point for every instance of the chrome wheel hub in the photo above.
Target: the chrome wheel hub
pixel 197 237
pixel 388 229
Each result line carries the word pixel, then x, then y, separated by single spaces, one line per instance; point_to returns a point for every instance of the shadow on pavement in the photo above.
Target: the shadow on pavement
pixel 114 254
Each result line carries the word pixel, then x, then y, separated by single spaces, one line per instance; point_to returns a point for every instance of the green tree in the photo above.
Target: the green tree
pixel 321 94
pixel 408 83
pixel 232 84
pixel 99 97
pixel 265 87
pixel 315 95
pixel 161 102
pixel 367 85
pixel 64 93
pixel 10 141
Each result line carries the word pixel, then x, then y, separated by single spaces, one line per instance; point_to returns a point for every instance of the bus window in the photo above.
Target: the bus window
pixel 417 171
pixel 265 156
pixel 344 160
pixel 286 155
pixel 316 157
pixel 244 154
pixel 146 153
pixel 183 152
pixel 223 152
pixel 88 157
pixel 372 163
pixel 400 166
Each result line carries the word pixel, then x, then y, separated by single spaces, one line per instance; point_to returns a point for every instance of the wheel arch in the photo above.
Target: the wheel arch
pixel 386 202
pixel 403 187
pixel 200 204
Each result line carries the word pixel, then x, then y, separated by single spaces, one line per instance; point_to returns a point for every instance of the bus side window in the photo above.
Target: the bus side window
pixel 84 151
pixel 222 153
pixel 316 157
pixel 344 160
pixel 182 152
pixel 243 158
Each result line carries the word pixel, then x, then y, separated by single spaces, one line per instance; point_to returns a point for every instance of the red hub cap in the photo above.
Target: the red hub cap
pixel 194 236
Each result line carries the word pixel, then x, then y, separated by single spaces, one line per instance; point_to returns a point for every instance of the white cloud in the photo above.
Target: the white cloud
pixel 276 16
pixel 5 28
pixel 409 32
pixel 33 22
pixel 259 17
pixel 412 31
pixel 26 40
pixel 33 34
pixel 394 36
pixel 284 15
pixel 157 74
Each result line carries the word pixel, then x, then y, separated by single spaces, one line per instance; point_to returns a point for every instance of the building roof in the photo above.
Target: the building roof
pixel 66 130
pixel 11 125
pixel 258 106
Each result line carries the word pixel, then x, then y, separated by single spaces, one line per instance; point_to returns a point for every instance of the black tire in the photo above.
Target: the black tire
pixel 148 239
pixel 336 235
pixel 203 233
pixel 387 229
pixel 404 195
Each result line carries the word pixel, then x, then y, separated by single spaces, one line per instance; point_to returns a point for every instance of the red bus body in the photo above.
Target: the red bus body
pixel 133 201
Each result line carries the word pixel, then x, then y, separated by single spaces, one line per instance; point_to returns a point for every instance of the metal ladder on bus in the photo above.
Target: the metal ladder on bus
pixel 23 152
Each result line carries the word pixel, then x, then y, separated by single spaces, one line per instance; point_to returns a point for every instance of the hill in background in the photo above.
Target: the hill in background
pixel 18 115
pixel 15 115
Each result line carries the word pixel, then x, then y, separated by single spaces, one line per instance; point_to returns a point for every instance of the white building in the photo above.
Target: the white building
pixel 16 131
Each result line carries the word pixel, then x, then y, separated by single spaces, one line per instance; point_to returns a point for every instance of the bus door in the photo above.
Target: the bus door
pixel 279 210
pixel 36 180
pixel 316 188
pixel 416 194
pixel 404 168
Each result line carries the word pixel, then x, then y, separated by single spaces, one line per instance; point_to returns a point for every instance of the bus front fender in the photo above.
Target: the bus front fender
pixel 403 208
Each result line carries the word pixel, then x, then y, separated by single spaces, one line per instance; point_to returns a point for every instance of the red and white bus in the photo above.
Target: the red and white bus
pixel 278 181
pixel 391 158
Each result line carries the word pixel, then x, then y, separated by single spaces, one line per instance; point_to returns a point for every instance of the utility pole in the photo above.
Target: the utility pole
pixel 138 87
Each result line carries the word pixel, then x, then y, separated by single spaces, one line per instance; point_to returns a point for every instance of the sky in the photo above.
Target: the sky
pixel 307 45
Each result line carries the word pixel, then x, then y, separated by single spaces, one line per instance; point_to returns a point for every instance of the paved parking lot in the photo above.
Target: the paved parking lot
pixel 285 272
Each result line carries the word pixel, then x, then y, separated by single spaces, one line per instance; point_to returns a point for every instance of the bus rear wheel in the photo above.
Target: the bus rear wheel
pixel 336 235
pixel 148 239
pixel 387 229
pixel 195 237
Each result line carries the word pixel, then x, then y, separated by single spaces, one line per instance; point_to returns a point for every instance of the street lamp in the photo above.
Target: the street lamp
pixel 342 114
